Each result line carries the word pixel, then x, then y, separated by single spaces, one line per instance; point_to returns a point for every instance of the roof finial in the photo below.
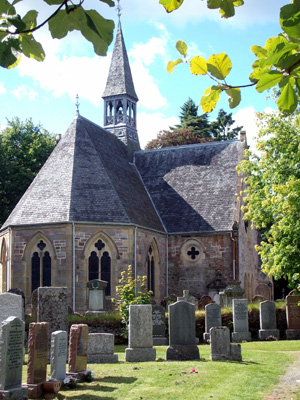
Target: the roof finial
pixel 119 9
pixel 77 104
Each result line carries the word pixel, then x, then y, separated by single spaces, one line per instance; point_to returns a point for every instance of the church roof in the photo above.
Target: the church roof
pixel 119 79
pixel 193 187
pixel 87 178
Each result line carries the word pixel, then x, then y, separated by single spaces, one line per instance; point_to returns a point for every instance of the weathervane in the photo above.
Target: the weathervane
pixel 119 9
pixel 77 104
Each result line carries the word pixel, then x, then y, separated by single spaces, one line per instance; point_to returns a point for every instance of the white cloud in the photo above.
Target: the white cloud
pixel 24 91
pixel 149 125
pixel 2 88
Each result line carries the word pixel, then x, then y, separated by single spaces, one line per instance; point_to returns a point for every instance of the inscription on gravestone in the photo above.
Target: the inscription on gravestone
pixel 241 311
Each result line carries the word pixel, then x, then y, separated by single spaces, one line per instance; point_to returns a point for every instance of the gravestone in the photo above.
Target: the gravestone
pixel 220 346
pixel 140 340
pixel 11 359
pixel 96 295
pixel 20 293
pixel 34 304
pixel 53 308
pixel 293 316
pixel 182 332
pixel 37 358
pixel 240 321
pixel 233 291
pixel 58 355
pixel 267 317
pixel 11 305
pixel 101 348
pixel 78 346
pixel 159 325
pixel 188 297
pixel 212 319
pixel 204 300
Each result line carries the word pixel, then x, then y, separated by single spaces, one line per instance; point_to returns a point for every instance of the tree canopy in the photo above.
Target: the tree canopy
pixel 272 195
pixel 16 32
pixel 195 128
pixel 24 148
pixel 277 63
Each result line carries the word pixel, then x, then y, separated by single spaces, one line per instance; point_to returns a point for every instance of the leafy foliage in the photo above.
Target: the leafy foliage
pixel 277 64
pixel 24 148
pixel 272 195
pixel 130 291
pixel 16 33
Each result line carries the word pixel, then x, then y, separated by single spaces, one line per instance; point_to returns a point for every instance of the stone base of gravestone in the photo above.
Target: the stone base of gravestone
pixel 235 352
pixel 160 341
pixel 241 336
pixel 34 391
pixel 101 348
pixel 140 354
pixel 292 334
pixel 182 352
pixel 264 333
pixel 14 394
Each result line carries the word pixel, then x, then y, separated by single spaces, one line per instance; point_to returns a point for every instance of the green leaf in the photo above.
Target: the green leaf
pixel 210 98
pixel 99 31
pixel 213 4
pixel 290 19
pixel 259 51
pixel 171 5
pixel 219 65
pixel 234 97
pixel 227 9
pixel 31 48
pixel 16 21
pixel 30 19
pixel 6 8
pixel 53 2
pixel 2 35
pixel 9 53
pixel 288 100
pixel 268 80
pixel 198 66
pixel 181 47
pixel 172 64
pixel 109 2
pixel 15 2
pixel 61 24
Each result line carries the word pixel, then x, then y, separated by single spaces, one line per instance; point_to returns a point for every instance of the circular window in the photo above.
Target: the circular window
pixel 192 251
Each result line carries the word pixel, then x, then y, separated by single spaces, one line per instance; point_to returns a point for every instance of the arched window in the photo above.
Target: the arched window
pixel 105 271
pixel 150 270
pixel 40 271
pixel 93 266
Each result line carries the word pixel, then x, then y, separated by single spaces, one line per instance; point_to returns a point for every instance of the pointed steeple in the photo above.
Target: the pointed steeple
pixel 120 98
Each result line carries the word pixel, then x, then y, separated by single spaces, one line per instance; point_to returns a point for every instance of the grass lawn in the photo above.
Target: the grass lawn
pixel 263 363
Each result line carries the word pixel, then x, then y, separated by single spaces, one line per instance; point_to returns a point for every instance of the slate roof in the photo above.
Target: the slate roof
pixel 119 79
pixel 193 187
pixel 86 178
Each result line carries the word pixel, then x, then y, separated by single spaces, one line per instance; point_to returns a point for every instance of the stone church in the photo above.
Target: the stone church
pixel 100 203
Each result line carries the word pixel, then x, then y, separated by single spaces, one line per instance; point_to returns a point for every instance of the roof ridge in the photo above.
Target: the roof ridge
pixel 217 142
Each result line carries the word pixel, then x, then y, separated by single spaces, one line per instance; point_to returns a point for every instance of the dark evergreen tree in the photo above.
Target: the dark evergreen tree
pixel 221 128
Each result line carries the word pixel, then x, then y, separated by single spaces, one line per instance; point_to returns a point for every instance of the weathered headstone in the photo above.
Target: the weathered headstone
pixel 293 316
pixel 240 321
pixel 220 346
pixel 11 359
pixel 212 319
pixel 204 300
pixel 96 295
pixel 140 340
pixel 37 358
pixel 188 297
pixel 101 348
pixel 58 357
pixel 34 304
pixel 159 325
pixel 233 291
pixel 267 318
pixel 182 332
pixel 11 305
pixel 20 293
pixel 53 308
pixel 78 346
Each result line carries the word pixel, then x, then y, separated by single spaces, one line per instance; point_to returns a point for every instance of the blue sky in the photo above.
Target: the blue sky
pixel 46 91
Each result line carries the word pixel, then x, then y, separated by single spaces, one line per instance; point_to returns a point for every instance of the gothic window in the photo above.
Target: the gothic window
pixel 192 251
pixel 93 266
pixel 150 270
pixel 105 271
pixel 40 267
pixel 35 271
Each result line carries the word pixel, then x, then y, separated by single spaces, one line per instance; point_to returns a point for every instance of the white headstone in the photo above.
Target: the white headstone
pixel 11 305
pixel 58 358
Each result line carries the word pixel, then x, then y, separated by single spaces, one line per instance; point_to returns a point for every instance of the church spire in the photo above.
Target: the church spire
pixel 120 97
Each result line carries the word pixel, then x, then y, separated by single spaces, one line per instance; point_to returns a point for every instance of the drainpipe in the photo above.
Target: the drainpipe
pixel 73 264
pixel 135 266
pixel 167 265
pixel 8 261
pixel 233 256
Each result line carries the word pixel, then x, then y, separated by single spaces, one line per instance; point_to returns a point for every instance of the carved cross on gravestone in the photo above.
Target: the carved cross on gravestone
pixel 99 245
pixel 193 253
pixel 41 245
